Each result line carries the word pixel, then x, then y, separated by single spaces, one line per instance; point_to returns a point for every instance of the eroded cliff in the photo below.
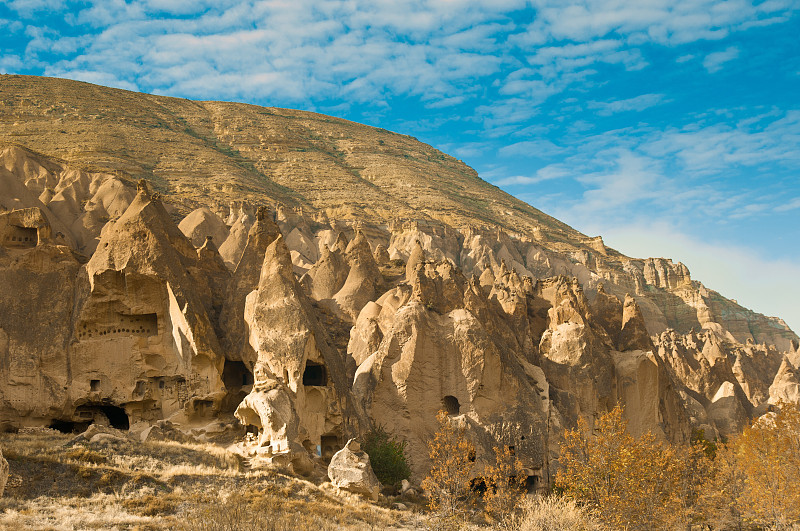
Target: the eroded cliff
pixel 315 277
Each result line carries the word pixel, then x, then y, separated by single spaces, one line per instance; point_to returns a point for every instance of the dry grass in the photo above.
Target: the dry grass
pixel 553 514
pixel 62 484
pixel 59 483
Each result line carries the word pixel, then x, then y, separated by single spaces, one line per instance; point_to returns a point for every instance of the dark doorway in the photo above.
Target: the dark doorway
pixel 116 417
pixel 451 405
pixel 315 374
pixel 329 445
pixel 531 484
pixel 235 375
pixel 67 426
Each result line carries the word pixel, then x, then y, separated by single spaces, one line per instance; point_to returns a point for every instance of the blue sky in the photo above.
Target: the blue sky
pixel 672 128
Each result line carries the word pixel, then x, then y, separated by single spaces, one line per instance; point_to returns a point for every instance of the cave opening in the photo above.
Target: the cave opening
pixel 451 405
pixel 315 374
pixel 531 484
pixel 236 375
pixel 116 416
pixel 21 237
pixel 67 426
pixel 329 445
pixel 88 413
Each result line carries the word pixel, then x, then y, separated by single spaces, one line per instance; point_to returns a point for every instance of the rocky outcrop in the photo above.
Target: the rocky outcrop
pixel 786 385
pixel 345 300
pixel 350 470
pixel 201 224
pixel 300 398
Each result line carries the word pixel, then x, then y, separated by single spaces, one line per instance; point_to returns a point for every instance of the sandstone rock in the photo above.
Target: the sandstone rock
pixel 415 372
pixel 727 410
pixel 145 281
pixel 245 279
pixel 165 430
pixel 381 255
pixel 363 280
pixel 98 433
pixel 270 408
pixel 328 275
pixel 3 473
pixel 300 399
pixel 417 255
pixel 232 248
pixel 633 334
pixel 513 322
pixel 350 470
pixel 202 223
pixel 786 386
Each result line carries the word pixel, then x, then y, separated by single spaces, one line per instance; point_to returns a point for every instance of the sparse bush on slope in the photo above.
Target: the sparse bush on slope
pixel 757 475
pixel 505 487
pixel 387 456
pixel 632 483
pixel 448 482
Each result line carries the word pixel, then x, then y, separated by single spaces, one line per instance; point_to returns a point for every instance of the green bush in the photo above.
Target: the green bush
pixel 387 456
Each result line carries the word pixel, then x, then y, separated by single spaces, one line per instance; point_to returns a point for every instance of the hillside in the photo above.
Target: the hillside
pixel 292 280
pixel 212 153
pixel 207 152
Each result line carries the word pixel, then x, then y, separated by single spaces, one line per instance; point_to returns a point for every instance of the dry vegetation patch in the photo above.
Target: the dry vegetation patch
pixel 63 482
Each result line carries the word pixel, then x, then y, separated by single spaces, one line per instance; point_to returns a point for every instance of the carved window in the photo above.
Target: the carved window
pixel 315 374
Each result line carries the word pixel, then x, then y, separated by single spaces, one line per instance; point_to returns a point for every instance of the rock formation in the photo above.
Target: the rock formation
pixel 3 473
pixel 264 294
pixel 350 470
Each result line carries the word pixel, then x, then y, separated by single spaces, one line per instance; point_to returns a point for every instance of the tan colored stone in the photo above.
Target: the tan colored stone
pixel 3 473
pixel 350 470
pixel 202 223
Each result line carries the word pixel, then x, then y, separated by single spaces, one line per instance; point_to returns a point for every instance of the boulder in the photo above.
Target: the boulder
pixel 350 470
pixel 164 430
pixel 98 433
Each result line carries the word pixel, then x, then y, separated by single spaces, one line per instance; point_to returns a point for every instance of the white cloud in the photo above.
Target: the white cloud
pixel 445 102
pixel 634 178
pixel 660 21
pixel 638 103
pixel 790 205
pixel 10 63
pixel 715 148
pixel 29 8
pixel 540 148
pixel 714 61
pixel 364 51
pixel 548 173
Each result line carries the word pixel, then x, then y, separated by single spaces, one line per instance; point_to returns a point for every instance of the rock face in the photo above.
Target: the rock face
pixel 350 470
pixel 3 473
pixel 310 316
